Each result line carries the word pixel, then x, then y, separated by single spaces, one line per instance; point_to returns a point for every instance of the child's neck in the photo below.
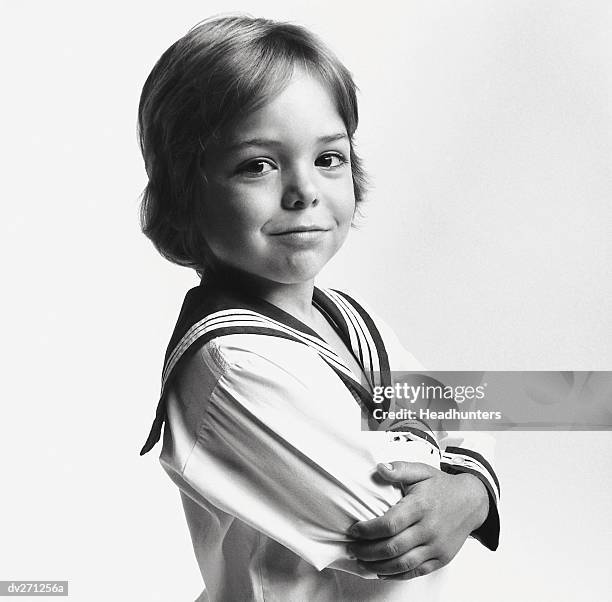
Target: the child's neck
pixel 295 298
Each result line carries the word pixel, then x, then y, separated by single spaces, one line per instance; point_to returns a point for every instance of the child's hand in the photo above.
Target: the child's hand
pixel 426 528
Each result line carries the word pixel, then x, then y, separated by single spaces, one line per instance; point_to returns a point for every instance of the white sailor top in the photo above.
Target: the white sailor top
pixel 263 438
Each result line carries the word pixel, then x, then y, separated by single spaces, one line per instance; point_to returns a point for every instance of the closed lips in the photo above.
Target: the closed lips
pixel 300 229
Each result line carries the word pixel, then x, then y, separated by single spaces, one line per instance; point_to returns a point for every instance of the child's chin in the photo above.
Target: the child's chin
pixel 299 272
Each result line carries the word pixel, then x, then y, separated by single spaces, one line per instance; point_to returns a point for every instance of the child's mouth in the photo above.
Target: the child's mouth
pixel 301 236
pixel 300 229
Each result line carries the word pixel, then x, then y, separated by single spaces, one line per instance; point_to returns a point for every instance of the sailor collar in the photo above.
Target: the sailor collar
pixel 217 308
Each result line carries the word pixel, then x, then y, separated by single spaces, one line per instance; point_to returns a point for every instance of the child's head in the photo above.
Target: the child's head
pixel 200 94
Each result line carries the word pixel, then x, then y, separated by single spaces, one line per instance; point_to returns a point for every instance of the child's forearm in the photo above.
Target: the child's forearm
pixel 427 527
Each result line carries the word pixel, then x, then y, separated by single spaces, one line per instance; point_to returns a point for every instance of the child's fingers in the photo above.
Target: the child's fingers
pixel 429 566
pixel 402 564
pixel 399 517
pixel 391 547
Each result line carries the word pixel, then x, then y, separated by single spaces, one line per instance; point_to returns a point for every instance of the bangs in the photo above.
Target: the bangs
pixel 244 81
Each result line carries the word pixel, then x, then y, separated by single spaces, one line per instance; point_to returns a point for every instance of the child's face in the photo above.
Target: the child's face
pixel 281 170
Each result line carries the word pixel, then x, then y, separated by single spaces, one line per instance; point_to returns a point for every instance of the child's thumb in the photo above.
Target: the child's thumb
pixel 404 472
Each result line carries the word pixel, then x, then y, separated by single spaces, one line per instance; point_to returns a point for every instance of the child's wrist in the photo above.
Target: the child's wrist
pixel 478 499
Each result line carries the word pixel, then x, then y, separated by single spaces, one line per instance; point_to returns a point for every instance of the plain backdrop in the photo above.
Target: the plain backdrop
pixel 486 127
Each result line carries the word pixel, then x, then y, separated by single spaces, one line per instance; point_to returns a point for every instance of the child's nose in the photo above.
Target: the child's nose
pixel 299 192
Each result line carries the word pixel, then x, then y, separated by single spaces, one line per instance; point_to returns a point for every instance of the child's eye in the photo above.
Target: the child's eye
pixel 257 167
pixel 330 160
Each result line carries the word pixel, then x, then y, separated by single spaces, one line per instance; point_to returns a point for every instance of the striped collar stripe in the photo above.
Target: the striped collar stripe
pixel 229 314
pixel 244 327
pixel 382 359
pixel 358 343
pixel 362 329
pixel 203 326
pixel 365 347
pixel 238 319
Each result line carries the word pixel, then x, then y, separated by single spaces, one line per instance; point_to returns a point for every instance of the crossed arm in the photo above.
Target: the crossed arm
pixel 426 528
pixel 302 473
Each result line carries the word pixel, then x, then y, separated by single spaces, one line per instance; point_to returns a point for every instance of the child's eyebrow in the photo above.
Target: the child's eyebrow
pixel 271 142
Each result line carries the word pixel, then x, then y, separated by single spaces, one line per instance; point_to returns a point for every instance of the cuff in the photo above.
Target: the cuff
pixel 456 460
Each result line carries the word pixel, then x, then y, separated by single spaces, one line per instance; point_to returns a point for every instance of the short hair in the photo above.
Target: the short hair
pixel 222 69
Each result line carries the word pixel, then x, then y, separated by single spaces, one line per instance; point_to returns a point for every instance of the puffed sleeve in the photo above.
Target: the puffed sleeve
pixel 265 431
pixel 462 451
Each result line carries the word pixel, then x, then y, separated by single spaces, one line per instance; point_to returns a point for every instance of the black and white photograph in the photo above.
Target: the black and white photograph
pixel 308 301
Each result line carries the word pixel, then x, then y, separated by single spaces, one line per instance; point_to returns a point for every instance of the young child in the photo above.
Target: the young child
pixel 246 127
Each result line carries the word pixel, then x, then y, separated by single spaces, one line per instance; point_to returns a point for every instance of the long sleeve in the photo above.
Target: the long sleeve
pixel 462 451
pixel 261 428
pixel 467 452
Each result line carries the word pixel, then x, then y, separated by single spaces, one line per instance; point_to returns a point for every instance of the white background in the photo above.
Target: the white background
pixel 487 129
